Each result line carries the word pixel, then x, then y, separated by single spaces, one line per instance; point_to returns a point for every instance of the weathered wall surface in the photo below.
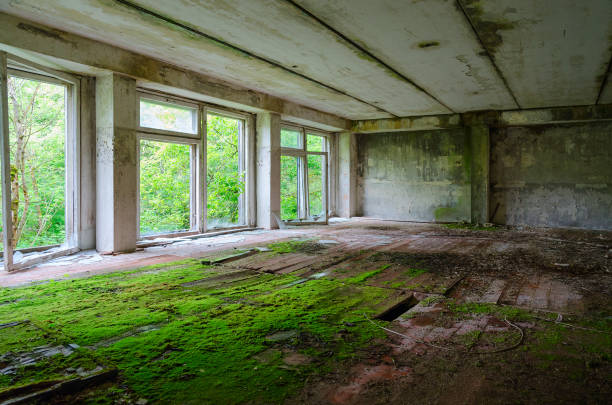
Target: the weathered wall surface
pixel 417 176
pixel 557 176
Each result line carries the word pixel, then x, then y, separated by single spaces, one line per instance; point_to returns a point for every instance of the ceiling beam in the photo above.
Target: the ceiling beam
pixel 486 49
pixel 368 53
pixel 87 56
pixel 423 123
pixel 245 52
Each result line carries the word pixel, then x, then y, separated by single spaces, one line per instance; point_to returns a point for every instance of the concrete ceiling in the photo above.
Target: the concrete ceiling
pixel 364 59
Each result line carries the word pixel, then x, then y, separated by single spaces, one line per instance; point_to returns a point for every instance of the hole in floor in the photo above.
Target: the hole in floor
pixel 398 309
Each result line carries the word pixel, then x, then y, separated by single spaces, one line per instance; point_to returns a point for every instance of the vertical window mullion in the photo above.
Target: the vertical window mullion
pixel 6 168
pixel 202 171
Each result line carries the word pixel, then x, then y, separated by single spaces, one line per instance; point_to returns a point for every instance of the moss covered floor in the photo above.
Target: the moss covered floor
pixel 184 332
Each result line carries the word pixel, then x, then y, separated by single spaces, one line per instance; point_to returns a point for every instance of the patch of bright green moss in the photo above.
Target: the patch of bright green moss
pixel 360 278
pixel 203 340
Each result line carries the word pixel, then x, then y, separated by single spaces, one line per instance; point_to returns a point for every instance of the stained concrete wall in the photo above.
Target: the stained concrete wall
pixel 417 176
pixel 556 176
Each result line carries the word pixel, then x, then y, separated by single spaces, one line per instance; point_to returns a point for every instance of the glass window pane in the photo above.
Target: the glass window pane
pixel 315 143
pixel 169 117
pixel 289 187
pixel 225 172
pixel 37 134
pixel 165 170
pixel 316 187
pixel 291 138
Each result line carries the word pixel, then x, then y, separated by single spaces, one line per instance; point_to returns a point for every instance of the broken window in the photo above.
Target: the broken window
pixel 303 175
pixel 40 110
pixel 225 173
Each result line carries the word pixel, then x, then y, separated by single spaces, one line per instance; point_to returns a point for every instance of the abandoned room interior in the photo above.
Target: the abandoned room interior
pixel 306 201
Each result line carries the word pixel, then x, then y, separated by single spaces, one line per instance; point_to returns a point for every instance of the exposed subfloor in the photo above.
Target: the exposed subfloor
pixel 361 311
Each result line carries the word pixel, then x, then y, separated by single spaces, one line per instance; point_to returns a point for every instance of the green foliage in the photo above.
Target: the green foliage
pixel 164 187
pixel 289 187
pixel 225 180
pixel 37 142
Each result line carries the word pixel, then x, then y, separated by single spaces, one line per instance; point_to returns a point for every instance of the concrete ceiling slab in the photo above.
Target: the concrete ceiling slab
pixel 280 32
pixel 429 41
pixel 551 52
pixel 363 59
pixel 110 22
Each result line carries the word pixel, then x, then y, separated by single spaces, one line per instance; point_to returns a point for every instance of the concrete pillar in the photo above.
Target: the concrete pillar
pixel 346 205
pixel 479 148
pixel 87 179
pixel 116 164
pixel 268 169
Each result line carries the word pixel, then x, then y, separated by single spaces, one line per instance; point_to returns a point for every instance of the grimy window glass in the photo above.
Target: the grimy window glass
pixel 165 173
pixel 225 176
pixel 37 137
pixel 291 138
pixel 168 117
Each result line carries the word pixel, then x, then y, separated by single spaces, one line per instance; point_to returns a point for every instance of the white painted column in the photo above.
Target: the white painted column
pixel 346 204
pixel 268 169
pixel 7 225
pixel 116 164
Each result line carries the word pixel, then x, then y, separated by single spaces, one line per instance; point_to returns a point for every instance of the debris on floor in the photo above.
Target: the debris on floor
pixel 356 312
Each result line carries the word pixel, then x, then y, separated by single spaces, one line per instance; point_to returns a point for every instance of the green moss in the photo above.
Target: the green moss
pixel 471 227
pixel 195 343
pixel 414 272
pixel 296 246
pixel 508 312
pixel 367 275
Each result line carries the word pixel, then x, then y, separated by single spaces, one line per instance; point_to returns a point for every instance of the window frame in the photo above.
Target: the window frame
pixel 11 65
pixel 198 195
pixel 242 164
pixel 143 95
pixel 302 153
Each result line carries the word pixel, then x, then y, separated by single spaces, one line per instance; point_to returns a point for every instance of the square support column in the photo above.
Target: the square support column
pixel 116 164
pixel 346 204
pixel 268 169
pixel 479 147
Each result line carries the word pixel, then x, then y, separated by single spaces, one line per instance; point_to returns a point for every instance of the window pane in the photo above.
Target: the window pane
pixel 166 116
pixel 38 163
pixel 289 187
pixel 316 187
pixel 314 143
pixel 291 138
pixel 164 187
pixel 224 175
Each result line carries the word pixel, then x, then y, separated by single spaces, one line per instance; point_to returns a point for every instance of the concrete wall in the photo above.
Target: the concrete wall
pixel 556 176
pixel 417 176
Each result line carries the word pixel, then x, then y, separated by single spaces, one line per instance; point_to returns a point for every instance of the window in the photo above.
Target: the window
pixel 165 187
pixel 191 181
pixel 303 175
pixel 41 111
pixel 225 174
pixel 165 116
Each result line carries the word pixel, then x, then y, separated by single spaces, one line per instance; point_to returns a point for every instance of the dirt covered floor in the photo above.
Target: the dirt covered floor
pixel 358 312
